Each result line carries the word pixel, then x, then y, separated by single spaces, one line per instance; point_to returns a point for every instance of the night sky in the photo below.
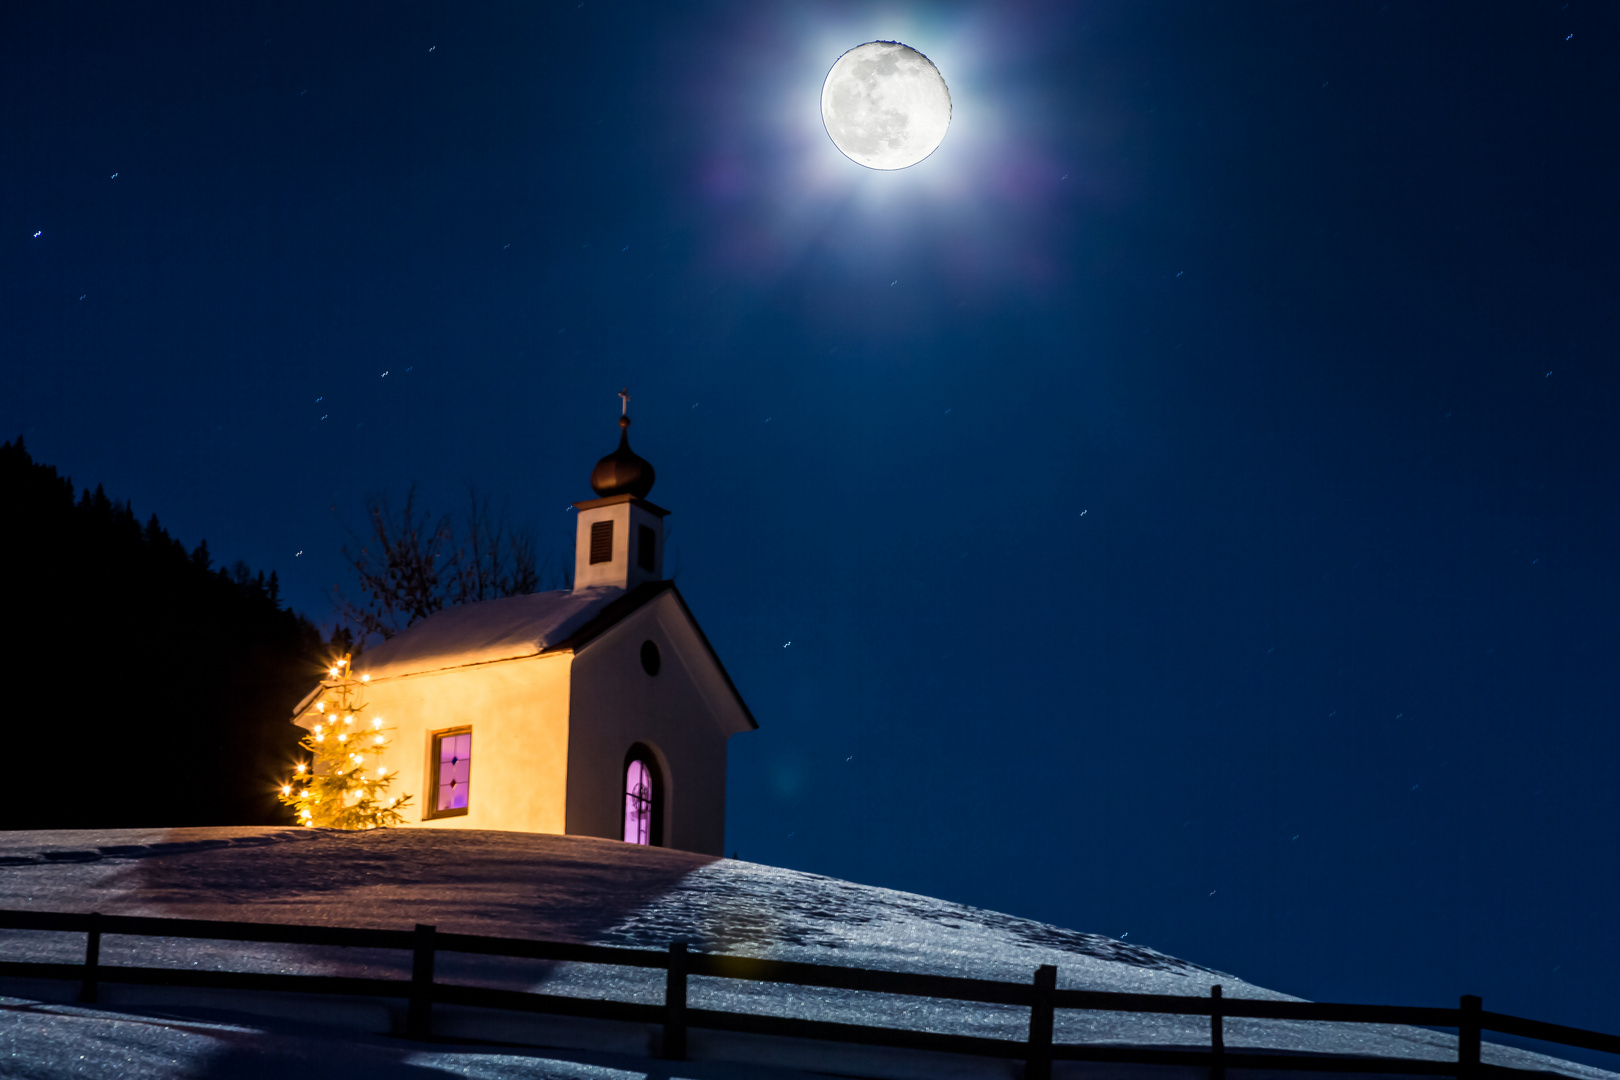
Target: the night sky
pixel 1183 506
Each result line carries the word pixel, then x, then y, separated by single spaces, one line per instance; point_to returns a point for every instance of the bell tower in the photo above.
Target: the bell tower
pixel 619 536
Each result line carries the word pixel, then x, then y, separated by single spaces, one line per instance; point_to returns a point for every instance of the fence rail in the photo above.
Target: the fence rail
pixel 1040 996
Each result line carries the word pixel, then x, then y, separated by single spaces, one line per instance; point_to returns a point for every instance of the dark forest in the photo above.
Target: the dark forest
pixel 155 687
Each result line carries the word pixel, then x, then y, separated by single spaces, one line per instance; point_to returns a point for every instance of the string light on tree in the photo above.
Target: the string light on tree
pixel 335 790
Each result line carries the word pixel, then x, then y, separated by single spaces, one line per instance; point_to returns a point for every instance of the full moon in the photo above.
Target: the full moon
pixel 885 105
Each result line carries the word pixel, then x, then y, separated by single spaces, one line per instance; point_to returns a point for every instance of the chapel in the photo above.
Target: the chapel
pixel 600 710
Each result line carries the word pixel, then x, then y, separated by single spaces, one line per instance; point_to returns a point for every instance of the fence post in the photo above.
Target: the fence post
pixel 1038 1060
pixel 419 1016
pixel 92 960
pixel 1217 1034
pixel 675 1004
pixel 1468 1033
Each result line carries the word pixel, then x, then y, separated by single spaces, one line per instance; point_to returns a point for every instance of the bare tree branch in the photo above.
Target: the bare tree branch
pixel 413 565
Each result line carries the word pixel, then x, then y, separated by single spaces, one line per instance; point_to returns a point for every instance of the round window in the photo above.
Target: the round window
pixel 650 660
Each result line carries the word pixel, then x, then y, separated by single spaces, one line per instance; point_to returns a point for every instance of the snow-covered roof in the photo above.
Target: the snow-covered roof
pixel 516 627
pixel 492 630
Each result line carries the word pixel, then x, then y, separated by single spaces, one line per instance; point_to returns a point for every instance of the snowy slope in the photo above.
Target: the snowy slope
pixel 572 888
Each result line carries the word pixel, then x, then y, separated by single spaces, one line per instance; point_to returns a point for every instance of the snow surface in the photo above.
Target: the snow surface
pixel 491 630
pixel 51 1042
pixel 572 889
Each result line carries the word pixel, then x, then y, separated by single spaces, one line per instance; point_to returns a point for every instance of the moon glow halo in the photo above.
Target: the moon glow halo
pixel 885 105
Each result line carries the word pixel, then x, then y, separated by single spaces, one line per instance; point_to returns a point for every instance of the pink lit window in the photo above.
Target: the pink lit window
pixel 452 772
pixel 638 803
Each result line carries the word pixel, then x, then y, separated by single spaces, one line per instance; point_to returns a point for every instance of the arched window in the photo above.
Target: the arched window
pixel 643 798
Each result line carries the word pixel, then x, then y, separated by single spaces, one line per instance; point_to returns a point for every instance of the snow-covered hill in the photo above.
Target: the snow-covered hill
pixel 567 888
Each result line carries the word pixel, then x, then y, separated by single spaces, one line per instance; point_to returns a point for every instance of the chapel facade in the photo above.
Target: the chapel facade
pixel 600 710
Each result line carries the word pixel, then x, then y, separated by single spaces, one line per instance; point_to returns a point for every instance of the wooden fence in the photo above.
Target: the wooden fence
pixel 1040 996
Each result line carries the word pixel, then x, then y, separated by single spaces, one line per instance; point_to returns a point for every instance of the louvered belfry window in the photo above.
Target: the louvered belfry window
pixel 646 549
pixel 601 541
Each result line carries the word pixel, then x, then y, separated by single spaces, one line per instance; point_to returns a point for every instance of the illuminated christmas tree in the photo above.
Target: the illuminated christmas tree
pixel 336 790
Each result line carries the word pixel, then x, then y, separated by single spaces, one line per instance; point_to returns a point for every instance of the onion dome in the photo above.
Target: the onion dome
pixel 623 472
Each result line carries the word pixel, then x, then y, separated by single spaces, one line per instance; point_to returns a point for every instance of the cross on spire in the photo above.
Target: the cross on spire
pixel 624 402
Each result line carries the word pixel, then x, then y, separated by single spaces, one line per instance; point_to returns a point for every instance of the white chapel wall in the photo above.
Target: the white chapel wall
pixel 616 704
pixel 518 711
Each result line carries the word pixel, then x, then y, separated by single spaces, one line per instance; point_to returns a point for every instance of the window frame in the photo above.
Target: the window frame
pixel 655 771
pixel 430 804
pixel 647 548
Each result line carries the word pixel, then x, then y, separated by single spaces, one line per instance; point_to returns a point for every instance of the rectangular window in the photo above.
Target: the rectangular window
pixel 646 548
pixel 601 542
pixel 452 772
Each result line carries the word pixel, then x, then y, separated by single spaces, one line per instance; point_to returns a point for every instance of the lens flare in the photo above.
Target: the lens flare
pixel 983 215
